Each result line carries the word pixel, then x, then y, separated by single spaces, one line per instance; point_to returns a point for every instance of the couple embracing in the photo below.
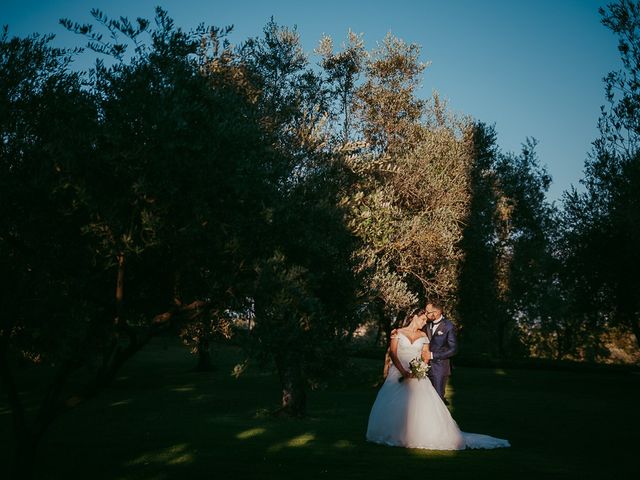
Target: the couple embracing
pixel 411 412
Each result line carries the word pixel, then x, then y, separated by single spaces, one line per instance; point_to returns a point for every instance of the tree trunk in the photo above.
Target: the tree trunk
pixel 119 289
pixel 378 335
pixel 502 350
pixel 294 398
pixel 204 356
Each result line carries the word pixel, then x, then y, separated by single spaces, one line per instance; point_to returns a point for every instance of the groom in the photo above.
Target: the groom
pixel 442 344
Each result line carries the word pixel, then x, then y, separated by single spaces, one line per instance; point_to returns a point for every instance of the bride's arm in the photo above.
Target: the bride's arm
pixel 426 353
pixel 393 353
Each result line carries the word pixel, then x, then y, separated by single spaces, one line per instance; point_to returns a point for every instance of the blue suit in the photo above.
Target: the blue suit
pixel 443 344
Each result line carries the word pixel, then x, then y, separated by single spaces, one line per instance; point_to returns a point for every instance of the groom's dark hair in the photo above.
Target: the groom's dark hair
pixel 436 303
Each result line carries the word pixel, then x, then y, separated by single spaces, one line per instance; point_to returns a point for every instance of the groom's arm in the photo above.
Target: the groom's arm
pixel 452 346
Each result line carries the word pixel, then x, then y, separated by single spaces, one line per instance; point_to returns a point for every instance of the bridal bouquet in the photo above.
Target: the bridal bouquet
pixel 418 368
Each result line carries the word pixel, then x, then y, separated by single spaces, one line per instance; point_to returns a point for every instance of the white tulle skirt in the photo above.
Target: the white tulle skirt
pixel 411 414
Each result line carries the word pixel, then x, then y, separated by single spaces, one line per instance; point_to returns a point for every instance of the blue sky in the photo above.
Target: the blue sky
pixel 534 68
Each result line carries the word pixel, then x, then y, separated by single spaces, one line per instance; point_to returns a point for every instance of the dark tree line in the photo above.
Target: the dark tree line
pixel 558 281
pixel 601 252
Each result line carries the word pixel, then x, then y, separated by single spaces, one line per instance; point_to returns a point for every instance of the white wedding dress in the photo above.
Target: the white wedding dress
pixel 411 414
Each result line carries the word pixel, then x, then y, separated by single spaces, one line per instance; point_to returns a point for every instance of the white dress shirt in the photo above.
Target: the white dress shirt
pixel 434 326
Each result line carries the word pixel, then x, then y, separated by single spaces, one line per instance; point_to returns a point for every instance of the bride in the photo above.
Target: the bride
pixel 408 412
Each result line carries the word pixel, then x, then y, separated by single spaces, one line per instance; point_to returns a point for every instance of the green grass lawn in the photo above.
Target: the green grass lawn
pixel 160 420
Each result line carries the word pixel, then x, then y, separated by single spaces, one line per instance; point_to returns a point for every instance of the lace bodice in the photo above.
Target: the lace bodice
pixel 408 350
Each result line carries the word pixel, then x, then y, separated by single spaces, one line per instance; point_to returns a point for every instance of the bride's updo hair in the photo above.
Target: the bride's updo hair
pixel 416 312
pixel 402 322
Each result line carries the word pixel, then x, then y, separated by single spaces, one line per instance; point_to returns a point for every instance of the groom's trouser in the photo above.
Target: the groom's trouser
pixel 439 382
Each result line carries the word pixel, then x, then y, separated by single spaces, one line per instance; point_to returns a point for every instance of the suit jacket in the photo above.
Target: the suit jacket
pixel 444 345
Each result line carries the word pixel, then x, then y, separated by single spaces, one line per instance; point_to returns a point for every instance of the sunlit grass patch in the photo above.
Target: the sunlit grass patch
pixel 174 455
pixel 252 432
pixel 296 442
